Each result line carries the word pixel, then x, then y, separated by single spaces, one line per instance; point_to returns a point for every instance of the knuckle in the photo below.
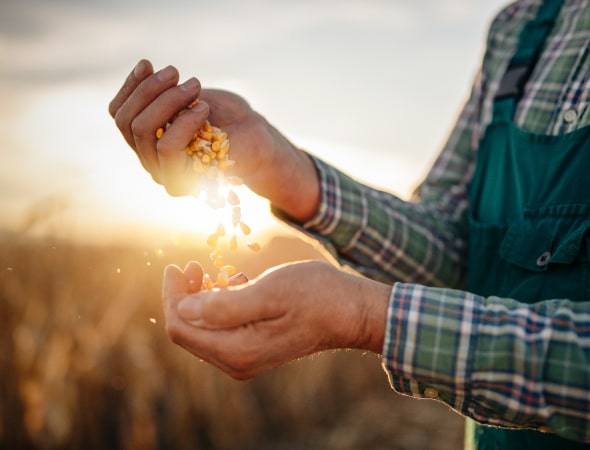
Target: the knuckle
pixel 138 128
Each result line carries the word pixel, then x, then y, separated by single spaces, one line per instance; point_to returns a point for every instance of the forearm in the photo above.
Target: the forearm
pixel 497 361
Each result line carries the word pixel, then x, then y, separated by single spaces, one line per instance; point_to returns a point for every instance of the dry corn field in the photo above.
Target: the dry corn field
pixel 85 364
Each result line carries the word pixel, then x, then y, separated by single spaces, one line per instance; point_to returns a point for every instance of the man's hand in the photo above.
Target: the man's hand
pixel 286 313
pixel 267 162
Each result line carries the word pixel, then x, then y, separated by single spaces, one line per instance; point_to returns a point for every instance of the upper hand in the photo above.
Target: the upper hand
pixel 267 162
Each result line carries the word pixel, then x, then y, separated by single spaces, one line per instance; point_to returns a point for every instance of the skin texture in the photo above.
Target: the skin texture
pixel 289 311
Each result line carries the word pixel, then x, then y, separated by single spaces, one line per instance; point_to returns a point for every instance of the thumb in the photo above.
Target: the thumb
pixel 174 285
pixel 227 308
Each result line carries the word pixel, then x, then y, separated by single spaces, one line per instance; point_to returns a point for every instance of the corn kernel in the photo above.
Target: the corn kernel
pixel 227 164
pixel 214 254
pixel 234 180
pixel 159 133
pixel 220 231
pixel 229 270
pixel 198 166
pixel 219 262
pixel 212 240
pixel 245 228
pixel 207 282
pixel 233 243
pixel 236 215
pixel 222 279
pixel 232 198
pixel 207 135
pixel 254 246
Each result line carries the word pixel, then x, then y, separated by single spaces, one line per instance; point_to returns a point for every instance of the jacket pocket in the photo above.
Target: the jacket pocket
pixel 548 253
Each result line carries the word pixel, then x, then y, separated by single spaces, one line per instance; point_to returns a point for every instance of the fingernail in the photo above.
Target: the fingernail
pixel 139 69
pixel 166 74
pixel 190 85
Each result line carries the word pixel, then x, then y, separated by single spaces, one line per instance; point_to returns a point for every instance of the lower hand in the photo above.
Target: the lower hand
pixel 288 312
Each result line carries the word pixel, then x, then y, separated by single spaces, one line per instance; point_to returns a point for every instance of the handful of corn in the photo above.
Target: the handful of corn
pixel 209 151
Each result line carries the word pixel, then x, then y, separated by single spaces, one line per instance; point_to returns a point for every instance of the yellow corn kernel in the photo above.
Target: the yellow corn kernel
pixel 205 159
pixel 220 136
pixel 159 132
pixel 194 103
pixel 207 135
pixel 254 246
pixel 230 270
pixel 221 154
pixel 232 198
pixel 220 231
pixel 207 282
pixel 233 243
pixel 222 279
pixel 236 215
pixel 212 240
pixel 207 126
pixel 227 164
pixel 214 254
pixel 234 180
pixel 245 228
pixel 215 145
pixel 219 262
pixel 198 166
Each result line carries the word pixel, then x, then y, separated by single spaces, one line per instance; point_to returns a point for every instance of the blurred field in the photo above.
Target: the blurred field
pixel 85 364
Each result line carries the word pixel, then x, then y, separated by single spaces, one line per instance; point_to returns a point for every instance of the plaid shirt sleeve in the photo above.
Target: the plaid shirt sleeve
pixel 497 361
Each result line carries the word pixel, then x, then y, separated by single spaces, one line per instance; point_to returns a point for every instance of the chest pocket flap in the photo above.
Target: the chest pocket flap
pixel 553 235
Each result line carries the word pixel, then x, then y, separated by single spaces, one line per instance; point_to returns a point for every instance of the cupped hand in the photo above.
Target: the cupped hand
pixel 288 312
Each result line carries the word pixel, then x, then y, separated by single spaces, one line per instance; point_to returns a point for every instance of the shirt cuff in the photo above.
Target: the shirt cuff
pixel 430 335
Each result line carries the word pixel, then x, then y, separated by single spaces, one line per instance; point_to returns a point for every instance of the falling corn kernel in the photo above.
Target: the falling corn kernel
pixel 222 279
pixel 236 215
pixel 230 270
pixel 234 180
pixel 220 231
pixel 245 228
pixel 232 198
pixel 254 246
pixel 159 133
pixel 233 243
pixel 207 282
pixel 212 240
pixel 219 262
pixel 215 253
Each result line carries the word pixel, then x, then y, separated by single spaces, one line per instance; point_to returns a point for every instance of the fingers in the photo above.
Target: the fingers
pixel 172 158
pixel 193 273
pixel 174 286
pixel 148 101
pixel 142 70
pixel 237 279
pixel 227 308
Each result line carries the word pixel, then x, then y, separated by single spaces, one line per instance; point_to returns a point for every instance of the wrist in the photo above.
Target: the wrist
pixel 296 184
pixel 365 303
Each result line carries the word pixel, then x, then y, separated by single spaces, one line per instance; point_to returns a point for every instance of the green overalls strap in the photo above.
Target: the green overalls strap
pixel 529 217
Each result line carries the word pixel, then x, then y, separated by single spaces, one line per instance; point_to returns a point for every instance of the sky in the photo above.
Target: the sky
pixel 371 86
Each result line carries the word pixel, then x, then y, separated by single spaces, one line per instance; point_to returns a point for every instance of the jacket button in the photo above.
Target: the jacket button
pixel 570 116
pixel 430 392
pixel 543 259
